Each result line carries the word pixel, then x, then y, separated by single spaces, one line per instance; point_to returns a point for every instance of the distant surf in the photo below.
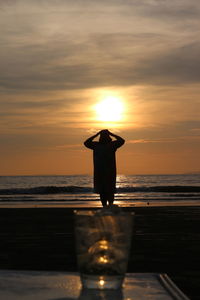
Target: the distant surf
pixel 46 190
pixel 78 190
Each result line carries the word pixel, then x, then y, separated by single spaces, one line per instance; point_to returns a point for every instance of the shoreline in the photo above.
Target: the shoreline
pixel 97 204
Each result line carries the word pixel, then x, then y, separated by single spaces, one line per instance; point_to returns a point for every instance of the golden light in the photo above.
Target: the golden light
pixel 110 109
pixel 101 282
pixel 103 259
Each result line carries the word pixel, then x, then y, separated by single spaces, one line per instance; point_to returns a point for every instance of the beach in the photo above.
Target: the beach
pixel 165 240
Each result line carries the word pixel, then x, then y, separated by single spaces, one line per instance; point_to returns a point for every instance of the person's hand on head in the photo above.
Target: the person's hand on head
pixel 110 133
pixel 103 131
pixel 100 131
pixel 107 131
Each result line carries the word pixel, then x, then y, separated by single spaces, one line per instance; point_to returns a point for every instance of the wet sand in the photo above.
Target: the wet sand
pixel 165 240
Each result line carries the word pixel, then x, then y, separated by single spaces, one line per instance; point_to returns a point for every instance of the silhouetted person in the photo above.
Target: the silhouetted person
pixel 104 163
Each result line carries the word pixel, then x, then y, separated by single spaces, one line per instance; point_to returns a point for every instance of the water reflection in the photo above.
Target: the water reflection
pixel 95 294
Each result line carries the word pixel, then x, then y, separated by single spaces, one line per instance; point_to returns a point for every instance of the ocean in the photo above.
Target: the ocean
pixel 77 190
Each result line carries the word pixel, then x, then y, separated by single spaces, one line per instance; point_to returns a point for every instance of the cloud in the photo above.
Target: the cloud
pixel 165 9
pixel 48 46
pixel 188 125
pixel 75 147
pixel 37 68
pixel 174 66
pixel 166 140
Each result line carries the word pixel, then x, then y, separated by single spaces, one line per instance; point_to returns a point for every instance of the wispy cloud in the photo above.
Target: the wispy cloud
pixel 44 48
pixel 73 147
pixel 166 140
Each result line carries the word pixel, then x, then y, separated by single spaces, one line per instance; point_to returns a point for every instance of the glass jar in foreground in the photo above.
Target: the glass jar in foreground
pixel 103 240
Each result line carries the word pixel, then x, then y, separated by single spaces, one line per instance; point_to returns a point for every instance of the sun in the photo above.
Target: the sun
pixel 110 109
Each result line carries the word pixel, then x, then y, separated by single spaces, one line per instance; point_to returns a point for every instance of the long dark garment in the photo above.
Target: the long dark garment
pixel 104 166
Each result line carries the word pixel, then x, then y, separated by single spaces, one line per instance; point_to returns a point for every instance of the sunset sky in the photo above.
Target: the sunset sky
pixel 60 58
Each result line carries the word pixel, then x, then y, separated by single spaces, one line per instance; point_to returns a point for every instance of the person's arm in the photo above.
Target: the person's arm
pixel 119 140
pixel 89 142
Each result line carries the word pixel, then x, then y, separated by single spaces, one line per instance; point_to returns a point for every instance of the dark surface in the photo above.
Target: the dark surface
pixel 165 240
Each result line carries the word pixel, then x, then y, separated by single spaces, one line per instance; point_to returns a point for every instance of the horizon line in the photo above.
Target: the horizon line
pixel 86 174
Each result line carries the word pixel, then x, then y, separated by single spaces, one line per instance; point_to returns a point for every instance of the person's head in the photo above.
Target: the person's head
pixel 104 137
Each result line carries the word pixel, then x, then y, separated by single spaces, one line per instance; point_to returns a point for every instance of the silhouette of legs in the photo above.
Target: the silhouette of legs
pixel 106 198
pixel 110 199
pixel 103 199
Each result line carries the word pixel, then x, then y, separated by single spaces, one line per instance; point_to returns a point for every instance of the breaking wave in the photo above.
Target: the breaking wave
pixel 46 190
